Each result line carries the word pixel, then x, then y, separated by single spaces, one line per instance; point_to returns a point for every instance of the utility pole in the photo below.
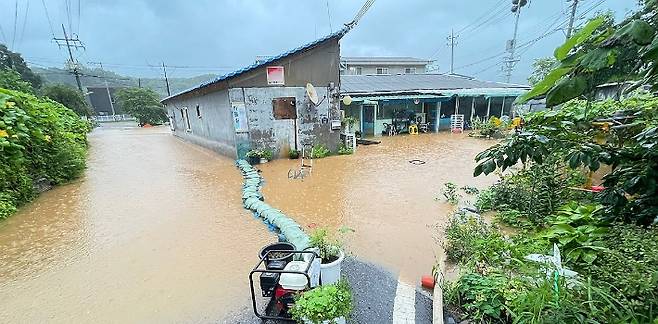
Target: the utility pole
pixel 69 43
pixel 452 42
pixel 139 82
pixel 164 69
pixel 107 88
pixel 511 60
pixel 574 7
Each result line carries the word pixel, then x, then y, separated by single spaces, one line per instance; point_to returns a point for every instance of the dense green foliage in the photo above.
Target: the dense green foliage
pixel 13 61
pixel 319 151
pixel 588 135
pixel 69 97
pixel 39 138
pixel 324 303
pixel 607 238
pixel 10 79
pixel 143 104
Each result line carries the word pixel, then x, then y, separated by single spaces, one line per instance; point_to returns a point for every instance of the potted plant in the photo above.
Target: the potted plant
pixel 293 154
pixel 331 254
pixel 324 304
pixel 253 156
pixel 266 155
pixel 348 122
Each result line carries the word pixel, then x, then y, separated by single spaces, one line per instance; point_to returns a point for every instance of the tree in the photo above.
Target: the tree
pixel 10 79
pixel 69 97
pixel 143 104
pixel 542 67
pixel 14 61
pixel 623 134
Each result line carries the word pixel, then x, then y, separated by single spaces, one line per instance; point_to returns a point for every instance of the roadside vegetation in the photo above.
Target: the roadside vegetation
pixel 143 104
pixel 41 140
pixel 577 253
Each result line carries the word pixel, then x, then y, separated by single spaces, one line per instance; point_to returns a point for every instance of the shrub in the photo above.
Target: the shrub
pixel 293 154
pixel 319 151
pixel 536 192
pixel 344 150
pixel 39 138
pixel 324 303
pixel 450 194
pixel 469 240
pixel 630 264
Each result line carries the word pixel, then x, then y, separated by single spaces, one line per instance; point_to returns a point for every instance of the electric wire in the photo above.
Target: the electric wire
pixel 13 37
pixel 331 30
pixel 50 24
pixel 27 8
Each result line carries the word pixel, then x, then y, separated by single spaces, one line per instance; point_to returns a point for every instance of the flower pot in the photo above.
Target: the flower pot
pixel 262 160
pixel 340 320
pixel 253 160
pixel 330 272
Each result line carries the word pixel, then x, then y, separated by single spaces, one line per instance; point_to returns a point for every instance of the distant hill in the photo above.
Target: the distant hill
pixel 97 77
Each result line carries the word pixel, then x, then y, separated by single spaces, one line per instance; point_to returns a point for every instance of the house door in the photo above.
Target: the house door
pixel 368 120
pixel 186 119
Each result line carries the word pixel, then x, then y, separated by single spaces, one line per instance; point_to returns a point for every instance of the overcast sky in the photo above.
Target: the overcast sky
pixel 218 36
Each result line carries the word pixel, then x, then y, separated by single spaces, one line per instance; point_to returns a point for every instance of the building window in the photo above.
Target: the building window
pixel 358 70
pixel 186 119
pixel 410 70
pixel 382 70
pixel 198 111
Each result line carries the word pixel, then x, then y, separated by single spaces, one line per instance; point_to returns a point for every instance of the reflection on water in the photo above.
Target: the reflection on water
pixel 155 232
pixel 388 201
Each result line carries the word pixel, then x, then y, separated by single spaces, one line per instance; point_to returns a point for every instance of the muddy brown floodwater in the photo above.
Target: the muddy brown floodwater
pixel 388 201
pixel 154 232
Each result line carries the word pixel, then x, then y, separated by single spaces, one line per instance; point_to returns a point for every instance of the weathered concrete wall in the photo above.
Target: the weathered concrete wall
pixel 212 128
pixel 313 124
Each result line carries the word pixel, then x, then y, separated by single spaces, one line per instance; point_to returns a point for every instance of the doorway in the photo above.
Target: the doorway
pixel 368 120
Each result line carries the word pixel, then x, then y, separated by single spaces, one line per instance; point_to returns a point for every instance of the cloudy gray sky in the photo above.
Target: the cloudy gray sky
pixel 217 36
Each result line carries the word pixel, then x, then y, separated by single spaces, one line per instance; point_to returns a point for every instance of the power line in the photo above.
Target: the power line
pixel 483 16
pixel 13 37
pixel 27 8
pixel 50 24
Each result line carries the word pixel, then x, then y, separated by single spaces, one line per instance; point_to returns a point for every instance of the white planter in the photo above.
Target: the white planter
pixel 330 272
pixel 340 320
pixel 262 160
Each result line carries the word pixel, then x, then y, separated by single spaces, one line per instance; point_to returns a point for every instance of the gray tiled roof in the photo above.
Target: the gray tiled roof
pixel 352 84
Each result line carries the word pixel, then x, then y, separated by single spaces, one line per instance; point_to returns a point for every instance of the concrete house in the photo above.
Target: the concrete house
pixel 266 105
pixel 383 65
pixel 381 100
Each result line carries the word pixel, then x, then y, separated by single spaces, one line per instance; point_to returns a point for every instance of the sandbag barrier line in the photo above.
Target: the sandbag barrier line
pixel 276 220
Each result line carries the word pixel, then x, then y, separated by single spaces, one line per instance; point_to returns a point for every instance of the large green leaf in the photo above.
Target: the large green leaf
pixel 599 59
pixel 581 36
pixel 639 31
pixel 651 51
pixel 544 85
pixel 566 90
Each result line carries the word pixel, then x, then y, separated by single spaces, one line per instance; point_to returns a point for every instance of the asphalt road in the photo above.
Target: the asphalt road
pixel 373 289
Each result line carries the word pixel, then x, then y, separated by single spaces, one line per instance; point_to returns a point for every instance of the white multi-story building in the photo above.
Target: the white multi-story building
pixel 350 65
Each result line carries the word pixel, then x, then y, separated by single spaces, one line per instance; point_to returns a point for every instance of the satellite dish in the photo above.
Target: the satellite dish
pixel 347 100
pixel 312 94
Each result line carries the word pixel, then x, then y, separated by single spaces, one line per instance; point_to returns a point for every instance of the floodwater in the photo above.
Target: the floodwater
pixel 154 232
pixel 388 201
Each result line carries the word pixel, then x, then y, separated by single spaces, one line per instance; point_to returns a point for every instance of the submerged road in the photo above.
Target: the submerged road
pixel 154 232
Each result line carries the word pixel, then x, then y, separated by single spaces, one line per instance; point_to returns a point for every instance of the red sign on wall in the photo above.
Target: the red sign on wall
pixel 275 75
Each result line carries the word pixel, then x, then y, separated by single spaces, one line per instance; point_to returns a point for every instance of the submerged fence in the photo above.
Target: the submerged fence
pixel 112 118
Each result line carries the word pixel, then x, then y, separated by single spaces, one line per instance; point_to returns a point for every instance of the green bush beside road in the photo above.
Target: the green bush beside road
pixel 39 138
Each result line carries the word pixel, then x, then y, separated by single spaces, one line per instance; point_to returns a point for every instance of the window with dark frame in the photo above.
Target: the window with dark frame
pixel 284 108
pixel 382 70
pixel 198 111
pixel 410 70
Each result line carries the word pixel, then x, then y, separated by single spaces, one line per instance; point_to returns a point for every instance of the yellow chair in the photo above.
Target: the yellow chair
pixel 413 130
